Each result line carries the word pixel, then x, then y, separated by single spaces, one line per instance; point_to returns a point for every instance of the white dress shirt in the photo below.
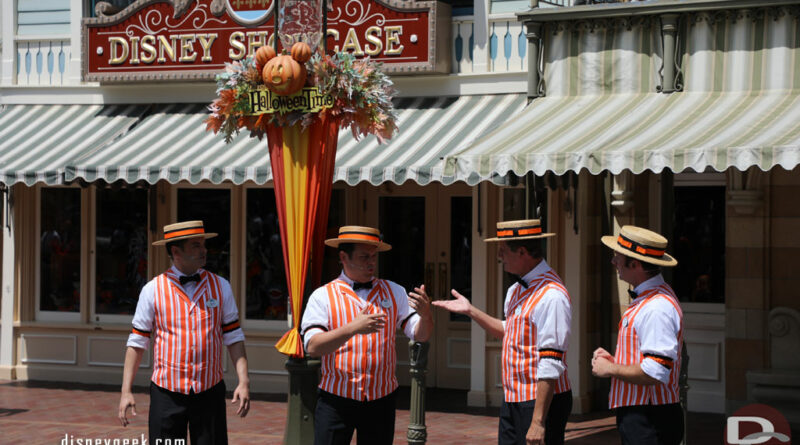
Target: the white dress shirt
pixel 552 317
pixel 317 310
pixel 144 317
pixel 657 325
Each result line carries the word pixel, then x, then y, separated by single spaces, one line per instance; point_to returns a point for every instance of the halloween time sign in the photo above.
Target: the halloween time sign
pixel 158 40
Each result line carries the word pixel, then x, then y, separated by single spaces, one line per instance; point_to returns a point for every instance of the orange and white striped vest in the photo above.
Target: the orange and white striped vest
pixel 628 353
pixel 364 367
pixel 520 356
pixel 188 336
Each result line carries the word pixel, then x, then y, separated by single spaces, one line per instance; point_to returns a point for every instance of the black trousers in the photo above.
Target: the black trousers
pixel 204 413
pixel 335 419
pixel 515 419
pixel 650 424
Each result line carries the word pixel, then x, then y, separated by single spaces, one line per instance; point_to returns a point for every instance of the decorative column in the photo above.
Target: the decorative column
pixel 533 33
pixel 683 388
pixel 669 29
pixel 303 381
pixel 418 355
pixel 7 295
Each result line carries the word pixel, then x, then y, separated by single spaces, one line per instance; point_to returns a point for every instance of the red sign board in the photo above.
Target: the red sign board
pixel 154 40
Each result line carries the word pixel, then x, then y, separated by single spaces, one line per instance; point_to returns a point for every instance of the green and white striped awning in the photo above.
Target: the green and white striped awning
pixel 171 144
pixel 38 141
pixel 639 132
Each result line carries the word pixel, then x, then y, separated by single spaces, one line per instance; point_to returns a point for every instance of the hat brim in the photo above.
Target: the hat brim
pixel 517 238
pixel 334 242
pixel 178 238
pixel 666 260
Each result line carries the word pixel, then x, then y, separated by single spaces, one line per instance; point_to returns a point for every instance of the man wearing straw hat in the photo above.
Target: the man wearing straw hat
pixel 190 313
pixel 644 370
pixel 535 335
pixel 351 323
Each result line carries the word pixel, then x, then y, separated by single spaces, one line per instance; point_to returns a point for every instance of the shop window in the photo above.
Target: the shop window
pixel 120 250
pixel 698 238
pixel 266 290
pixel 461 249
pixel 213 207
pixel 60 250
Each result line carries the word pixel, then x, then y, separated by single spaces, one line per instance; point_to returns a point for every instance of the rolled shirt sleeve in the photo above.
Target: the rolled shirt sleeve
pixel 552 317
pixel 143 318
pixel 407 318
pixel 658 325
pixel 316 316
pixel 231 327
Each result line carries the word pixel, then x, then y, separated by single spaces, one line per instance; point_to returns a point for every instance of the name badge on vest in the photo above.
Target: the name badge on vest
pixel 386 303
pixel 625 322
pixel 518 310
pixel 212 303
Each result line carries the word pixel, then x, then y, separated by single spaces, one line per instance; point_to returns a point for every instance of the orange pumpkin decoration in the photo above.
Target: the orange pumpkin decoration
pixel 301 52
pixel 263 55
pixel 283 75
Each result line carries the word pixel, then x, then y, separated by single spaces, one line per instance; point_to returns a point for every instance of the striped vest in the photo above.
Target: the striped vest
pixel 188 337
pixel 628 353
pixel 364 367
pixel 520 355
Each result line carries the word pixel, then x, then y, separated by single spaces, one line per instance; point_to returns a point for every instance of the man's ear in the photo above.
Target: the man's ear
pixel 343 256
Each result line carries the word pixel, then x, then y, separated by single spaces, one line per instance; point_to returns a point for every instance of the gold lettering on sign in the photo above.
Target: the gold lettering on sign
pixel 188 53
pixel 134 50
pixel 238 50
pixel 119 50
pixel 148 46
pixel 166 46
pixel 373 36
pixel 206 40
pixel 351 43
pixel 393 45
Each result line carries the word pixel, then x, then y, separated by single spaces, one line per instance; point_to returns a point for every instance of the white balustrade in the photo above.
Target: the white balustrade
pixel 43 61
pixel 507 45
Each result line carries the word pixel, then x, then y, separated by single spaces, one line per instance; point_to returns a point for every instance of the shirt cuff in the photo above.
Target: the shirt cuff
pixel 310 332
pixel 138 341
pixel 655 370
pixel 233 336
pixel 549 369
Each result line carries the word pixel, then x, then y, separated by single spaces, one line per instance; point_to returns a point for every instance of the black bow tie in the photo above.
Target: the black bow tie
pixel 632 294
pixel 364 285
pixel 521 282
pixel 187 278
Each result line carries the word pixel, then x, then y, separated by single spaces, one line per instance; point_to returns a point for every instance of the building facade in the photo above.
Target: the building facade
pixel 703 149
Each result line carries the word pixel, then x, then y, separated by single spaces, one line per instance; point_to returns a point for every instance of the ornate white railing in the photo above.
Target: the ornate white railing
pixel 42 60
pixel 506 47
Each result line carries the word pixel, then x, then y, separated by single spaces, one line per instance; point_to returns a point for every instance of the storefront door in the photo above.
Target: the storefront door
pixel 429 228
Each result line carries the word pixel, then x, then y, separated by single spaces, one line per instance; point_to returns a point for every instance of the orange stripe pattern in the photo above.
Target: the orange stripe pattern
pixel 641 249
pixel 140 332
pixel 520 355
pixel 364 367
pixel 519 231
pixel 628 353
pixel 184 232
pixel 358 236
pixel 188 345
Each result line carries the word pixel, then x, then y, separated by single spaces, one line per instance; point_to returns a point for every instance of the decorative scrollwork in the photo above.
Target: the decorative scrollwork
pixel 355 14
pixel 154 21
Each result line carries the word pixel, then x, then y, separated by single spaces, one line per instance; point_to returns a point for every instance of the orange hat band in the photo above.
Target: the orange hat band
pixel 183 232
pixel 359 236
pixel 519 231
pixel 641 249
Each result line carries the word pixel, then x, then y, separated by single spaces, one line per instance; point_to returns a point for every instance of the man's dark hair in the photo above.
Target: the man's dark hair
pixel 179 244
pixel 347 248
pixel 534 247
pixel 649 268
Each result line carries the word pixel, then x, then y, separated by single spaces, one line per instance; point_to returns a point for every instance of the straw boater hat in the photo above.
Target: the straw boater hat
pixel 642 244
pixel 360 235
pixel 183 230
pixel 519 230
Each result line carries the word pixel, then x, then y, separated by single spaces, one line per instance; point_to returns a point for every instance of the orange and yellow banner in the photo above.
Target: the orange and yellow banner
pixel 302 162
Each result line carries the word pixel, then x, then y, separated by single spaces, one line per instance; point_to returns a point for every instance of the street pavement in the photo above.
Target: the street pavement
pixel 69 414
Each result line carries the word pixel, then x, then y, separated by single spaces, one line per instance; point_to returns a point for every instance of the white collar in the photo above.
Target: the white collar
pixel 343 276
pixel 656 281
pixel 540 269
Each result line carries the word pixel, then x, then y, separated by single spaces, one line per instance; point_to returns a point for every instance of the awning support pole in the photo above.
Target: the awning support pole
pixel 7 309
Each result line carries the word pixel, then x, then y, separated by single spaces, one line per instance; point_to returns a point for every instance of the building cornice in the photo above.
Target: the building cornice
pixel 651 7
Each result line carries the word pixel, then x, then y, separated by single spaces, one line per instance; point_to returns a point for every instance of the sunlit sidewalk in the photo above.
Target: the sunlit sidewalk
pixel 59 413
